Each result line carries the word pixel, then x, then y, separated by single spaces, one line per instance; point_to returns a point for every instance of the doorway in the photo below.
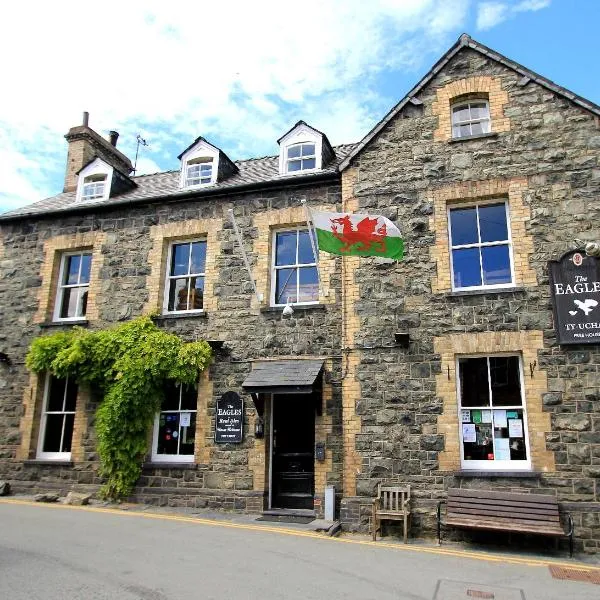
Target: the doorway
pixel 292 451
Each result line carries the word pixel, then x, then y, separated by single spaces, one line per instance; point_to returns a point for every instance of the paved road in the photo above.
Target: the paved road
pixel 60 553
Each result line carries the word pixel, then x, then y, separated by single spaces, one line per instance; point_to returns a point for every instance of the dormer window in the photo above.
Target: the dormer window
pixel 301 157
pixel 93 187
pixel 199 171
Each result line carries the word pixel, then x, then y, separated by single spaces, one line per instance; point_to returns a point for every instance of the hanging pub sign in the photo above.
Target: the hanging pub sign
pixel 575 286
pixel 229 419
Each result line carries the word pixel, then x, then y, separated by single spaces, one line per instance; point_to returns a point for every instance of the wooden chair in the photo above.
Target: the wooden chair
pixel 392 504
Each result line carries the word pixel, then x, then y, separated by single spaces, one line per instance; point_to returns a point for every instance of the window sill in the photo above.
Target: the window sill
pixel 175 316
pixel 467 138
pixel 78 323
pixel 494 474
pixel 189 466
pixel 48 461
pixel 483 292
pixel 295 307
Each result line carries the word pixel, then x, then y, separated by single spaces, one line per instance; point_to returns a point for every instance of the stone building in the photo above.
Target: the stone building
pixel 442 370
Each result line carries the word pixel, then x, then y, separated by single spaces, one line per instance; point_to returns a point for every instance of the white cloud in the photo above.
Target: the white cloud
pixel 490 14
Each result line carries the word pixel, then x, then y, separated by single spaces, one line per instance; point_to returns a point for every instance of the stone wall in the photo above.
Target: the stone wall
pixel 128 269
pixel 543 157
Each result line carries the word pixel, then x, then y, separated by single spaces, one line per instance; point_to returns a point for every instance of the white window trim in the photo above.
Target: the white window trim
pixel 299 159
pixel 493 465
pixel 52 455
pixel 201 150
pixel 60 288
pixel 479 245
pixel 171 458
pixel 467 103
pixel 168 277
pixel 97 167
pixel 275 268
pixel 300 135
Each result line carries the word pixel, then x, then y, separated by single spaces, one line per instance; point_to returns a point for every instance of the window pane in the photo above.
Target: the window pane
pixel 56 394
pixel 309 285
pixel 171 398
pixel 294 151
pixel 82 302
pixel 72 269
pixel 463 222
pixel 496 265
pixel 509 435
pixel 309 163
pixel 70 300
pixel 465 264
pixel 168 433
pixel 68 433
pixel 305 251
pixel 464 130
pixel 178 293
pixel 492 223
pixel 86 263
pixel 285 250
pixel 474 389
pixel 506 381
pixel 308 149
pixel 460 113
pixel 285 286
pixel 53 433
pixel 479 110
pixel 477 128
pixel 198 257
pixel 189 397
pixel 187 435
pixel 71 396
pixel 295 165
pixel 485 126
pixel 482 448
pixel 180 259
pixel 196 293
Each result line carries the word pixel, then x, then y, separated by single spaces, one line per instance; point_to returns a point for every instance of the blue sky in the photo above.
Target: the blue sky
pixel 245 77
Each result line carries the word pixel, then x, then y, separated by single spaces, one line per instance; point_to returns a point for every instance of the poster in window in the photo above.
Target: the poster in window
pixel 515 428
pixel 500 418
pixel 185 419
pixel 476 414
pixel 502 449
pixel 465 416
pixel 229 419
pixel 469 433
pixel 486 416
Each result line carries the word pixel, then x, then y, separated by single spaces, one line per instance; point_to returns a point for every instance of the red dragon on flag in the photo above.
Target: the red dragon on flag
pixel 366 234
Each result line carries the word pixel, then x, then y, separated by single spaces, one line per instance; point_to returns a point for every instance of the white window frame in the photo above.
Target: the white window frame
pixel 61 287
pixel 169 277
pixel 302 134
pixel 201 150
pixel 275 268
pixel 471 121
pixel 300 158
pixel 95 182
pixel 174 458
pixel 95 169
pixel 493 465
pixel 479 244
pixel 54 455
pixel 200 160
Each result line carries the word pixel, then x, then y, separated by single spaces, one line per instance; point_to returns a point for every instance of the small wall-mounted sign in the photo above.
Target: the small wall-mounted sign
pixel 575 287
pixel 229 419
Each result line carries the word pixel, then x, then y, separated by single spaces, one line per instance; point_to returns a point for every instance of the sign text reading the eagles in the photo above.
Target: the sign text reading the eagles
pixel 229 419
pixel 575 282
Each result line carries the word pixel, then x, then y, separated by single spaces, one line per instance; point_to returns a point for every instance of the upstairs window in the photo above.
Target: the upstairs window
pixel 294 274
pixel 481 255
pixel 184 289
pixel 58 418
pixel 199 171
pixel 470 118
pixel 301 157
pixel 73 286
pixel 175 425
pixel 93 187
pixel 493 429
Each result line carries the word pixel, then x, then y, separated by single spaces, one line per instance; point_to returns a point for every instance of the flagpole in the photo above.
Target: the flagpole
pixel 312 235
pixel 238 236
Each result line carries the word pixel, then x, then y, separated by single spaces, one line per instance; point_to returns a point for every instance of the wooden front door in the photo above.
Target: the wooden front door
pixel 293 471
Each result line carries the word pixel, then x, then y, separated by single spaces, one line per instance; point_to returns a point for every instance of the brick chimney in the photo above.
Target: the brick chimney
pixel 84 145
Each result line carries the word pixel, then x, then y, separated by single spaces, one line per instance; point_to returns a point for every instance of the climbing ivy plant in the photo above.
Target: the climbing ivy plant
pixel 128 364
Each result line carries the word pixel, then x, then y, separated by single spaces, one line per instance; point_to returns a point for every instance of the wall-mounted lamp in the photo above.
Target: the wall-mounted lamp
pixel 259 428
pixel 288 311
pixel 402 339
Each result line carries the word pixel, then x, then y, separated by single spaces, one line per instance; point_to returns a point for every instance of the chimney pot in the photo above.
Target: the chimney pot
pixel 113 136
pixel 86 118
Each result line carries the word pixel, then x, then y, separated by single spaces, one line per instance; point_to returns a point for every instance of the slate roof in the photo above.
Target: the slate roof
pixel 297 375
pixel 252 173
pixel 466 41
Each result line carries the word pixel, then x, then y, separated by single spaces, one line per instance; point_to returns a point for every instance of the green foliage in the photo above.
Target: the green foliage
pixel 129 365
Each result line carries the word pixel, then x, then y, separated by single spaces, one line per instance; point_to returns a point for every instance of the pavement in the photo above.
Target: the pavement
pixel 138 552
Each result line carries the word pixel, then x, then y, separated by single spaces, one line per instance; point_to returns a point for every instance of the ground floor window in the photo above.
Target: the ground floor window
pixel 175 425
pixel 493 421
pixel 58 418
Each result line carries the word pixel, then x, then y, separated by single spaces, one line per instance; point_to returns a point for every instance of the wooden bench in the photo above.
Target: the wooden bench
pixel 393 504
pixel 502 511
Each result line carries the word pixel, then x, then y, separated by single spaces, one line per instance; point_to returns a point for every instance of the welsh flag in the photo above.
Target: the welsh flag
pixel 357 235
